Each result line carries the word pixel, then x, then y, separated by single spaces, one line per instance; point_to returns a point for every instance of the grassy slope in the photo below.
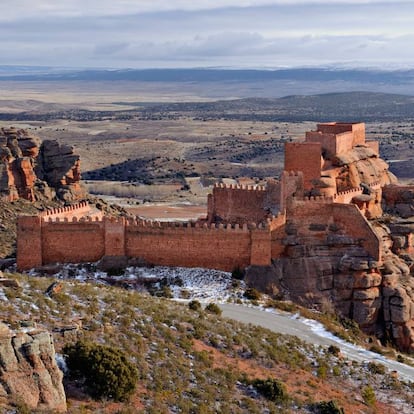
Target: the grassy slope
pixel 192 361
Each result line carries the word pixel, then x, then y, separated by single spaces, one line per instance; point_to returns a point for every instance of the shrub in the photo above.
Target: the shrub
pixel 271 389
pixel 213 308
pixel 322 371
pixel 401 359
pixel 105 370
pixel 327 407
pixel 334 350
pixel 237 273
pixel 252 294
pixel 194 305
pixel 368 395
pixel 376 368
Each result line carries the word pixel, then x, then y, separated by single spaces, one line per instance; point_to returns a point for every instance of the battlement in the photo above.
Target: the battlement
pixel 78 211
pixel 237 204
pixel 276 221
pixel 62 210
pixel 375 185
pixel 346 196
pixel 315 199
pixel 178 225
pixel 239 187
pixel 297 174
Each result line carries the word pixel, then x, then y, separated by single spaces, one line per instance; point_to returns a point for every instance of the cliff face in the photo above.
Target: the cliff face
pixel 28 370
pixel 33 170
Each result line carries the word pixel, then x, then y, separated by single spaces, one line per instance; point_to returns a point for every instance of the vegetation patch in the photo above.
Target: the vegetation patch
pixel 106 371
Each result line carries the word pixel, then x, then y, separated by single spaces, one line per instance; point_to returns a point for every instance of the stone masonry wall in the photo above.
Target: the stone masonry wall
pixel 304 157
pixel 313 218
pixel 173 244
pixel 237 204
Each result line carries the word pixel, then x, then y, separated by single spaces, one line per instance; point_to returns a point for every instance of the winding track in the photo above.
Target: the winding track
pixel 311 332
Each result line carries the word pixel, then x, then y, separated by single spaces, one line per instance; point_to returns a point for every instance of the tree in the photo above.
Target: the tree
pixel 272 390
pixel 106 370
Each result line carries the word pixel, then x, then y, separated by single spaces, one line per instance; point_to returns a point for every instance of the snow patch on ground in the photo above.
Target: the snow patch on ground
pixel 205 285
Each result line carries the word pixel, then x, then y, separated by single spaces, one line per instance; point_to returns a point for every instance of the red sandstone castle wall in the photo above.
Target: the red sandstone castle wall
pixel 357 130
pixel 337 138
pixel 75 241
pixel 78 210
pixel 72 242
pixel 190 247
pixel 305 214
pixel 357 226
pixel 29 242
pixel 332 144
pixel 359 133
pixel 236 204
pixel 374 145
pixel 305 157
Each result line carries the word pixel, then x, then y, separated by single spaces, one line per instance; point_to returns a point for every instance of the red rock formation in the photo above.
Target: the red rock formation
pixel 29 371
pixel 32 170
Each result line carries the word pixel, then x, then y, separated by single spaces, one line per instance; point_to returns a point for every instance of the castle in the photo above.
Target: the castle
pixel 321 187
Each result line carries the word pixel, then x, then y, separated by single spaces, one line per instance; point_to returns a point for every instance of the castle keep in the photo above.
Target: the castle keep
pixel 321 188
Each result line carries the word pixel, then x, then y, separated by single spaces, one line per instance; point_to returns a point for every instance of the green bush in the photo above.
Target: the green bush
pixel 271 389
pixel 327 407
pixel 252 294
pixel 105 370
pixel 368 395
pixel 213 308
pixel 194 305
pixel 322 371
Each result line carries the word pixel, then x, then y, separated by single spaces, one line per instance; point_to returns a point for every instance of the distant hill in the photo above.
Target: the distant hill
pixel 341 106
pixel 207 75
pixel 218 83
pixel 347 106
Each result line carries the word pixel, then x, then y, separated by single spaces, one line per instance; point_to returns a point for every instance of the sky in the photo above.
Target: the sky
pixel 207 33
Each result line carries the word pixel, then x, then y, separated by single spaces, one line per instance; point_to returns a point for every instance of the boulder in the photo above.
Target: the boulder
pixel 29 370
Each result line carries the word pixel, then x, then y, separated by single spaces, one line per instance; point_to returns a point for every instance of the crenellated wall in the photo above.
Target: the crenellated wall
pixel 216 246
pixel 236 203
pixel 78 210
pixel 347 196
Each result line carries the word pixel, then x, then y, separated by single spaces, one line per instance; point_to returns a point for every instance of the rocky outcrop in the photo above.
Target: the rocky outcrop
pixel 33 170
pixel 360 167
pixel 329 264
pixel 28 370
pixel 60 168
pixel 399 200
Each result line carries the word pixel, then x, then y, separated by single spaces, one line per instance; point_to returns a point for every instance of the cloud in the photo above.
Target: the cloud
pixel 198 33
pixel 23 9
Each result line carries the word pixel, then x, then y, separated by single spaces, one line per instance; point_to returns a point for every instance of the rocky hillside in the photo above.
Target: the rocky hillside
pixel 35 170
pixel 190 359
